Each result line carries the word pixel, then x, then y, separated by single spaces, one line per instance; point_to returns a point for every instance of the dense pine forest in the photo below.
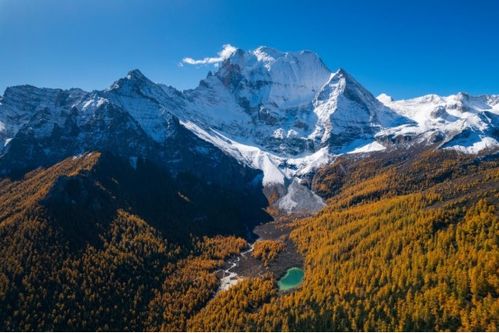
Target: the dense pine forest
pixel 407 241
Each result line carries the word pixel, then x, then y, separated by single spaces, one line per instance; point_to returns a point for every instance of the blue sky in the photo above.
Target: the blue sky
pixel 402 48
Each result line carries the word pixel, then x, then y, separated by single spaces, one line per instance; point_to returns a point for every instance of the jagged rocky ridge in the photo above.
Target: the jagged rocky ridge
pixel 284 113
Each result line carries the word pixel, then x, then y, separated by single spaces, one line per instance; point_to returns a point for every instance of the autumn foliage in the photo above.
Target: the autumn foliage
pixel 267 250
pixel 407 242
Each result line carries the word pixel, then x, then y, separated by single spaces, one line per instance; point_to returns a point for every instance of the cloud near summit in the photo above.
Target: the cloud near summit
pixel 225 53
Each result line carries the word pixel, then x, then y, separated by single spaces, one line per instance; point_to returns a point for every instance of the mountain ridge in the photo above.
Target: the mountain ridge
pixel 284 113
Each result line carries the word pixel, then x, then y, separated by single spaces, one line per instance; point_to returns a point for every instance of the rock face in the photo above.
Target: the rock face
pixel 348 113
pixel 129 119
pixel 284 113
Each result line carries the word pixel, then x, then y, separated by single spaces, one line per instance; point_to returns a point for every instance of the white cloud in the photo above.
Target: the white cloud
pixel 225 53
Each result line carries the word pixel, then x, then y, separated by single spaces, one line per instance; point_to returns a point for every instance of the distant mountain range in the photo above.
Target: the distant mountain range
pixel 284 113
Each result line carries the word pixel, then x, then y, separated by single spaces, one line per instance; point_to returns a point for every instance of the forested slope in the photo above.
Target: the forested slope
pixel 93 243
pixel 406 243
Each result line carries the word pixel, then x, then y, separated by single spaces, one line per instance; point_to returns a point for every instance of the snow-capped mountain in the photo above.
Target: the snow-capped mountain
pixel 348 113
pixel 20 103
pixel 462 122
pixel 289 104
pixel 284 113
pixel 44 126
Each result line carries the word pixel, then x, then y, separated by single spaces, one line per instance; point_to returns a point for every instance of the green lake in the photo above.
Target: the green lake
pixel 292 279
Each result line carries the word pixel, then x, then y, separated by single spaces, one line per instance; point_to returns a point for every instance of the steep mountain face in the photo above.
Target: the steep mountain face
pixel 348 113
pixel 269 97
pixel 19 104
pixel 129 119
pixel 284 113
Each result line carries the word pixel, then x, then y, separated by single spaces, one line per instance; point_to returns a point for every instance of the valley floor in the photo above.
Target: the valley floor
pixel 246 265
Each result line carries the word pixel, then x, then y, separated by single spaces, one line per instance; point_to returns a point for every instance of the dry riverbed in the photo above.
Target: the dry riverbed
pixel 246 265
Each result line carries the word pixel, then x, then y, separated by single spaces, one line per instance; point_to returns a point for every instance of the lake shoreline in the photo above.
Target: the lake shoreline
pixel 291 280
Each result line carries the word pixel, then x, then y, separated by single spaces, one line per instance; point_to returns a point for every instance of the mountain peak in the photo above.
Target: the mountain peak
pixel 265 53
pixel 136 74
pixel 15 92
pixel 264 57
pixel 341 72
pixel 269 76
pixel 134 78
pixel 343 81
pixel 384 98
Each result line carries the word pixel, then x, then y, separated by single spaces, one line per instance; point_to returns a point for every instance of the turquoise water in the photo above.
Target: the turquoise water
pixel 292 279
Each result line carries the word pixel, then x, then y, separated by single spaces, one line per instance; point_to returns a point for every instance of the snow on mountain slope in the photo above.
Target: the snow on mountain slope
pixel 462 122
pixel 287 107
pixel 252 156
pixel 347 112
pixel 284 113
pixel 147 103
pixel 260 98
pixel 370 147
pixel 20 103
pixel 130 119
pixel 272 78
pixel 212 104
